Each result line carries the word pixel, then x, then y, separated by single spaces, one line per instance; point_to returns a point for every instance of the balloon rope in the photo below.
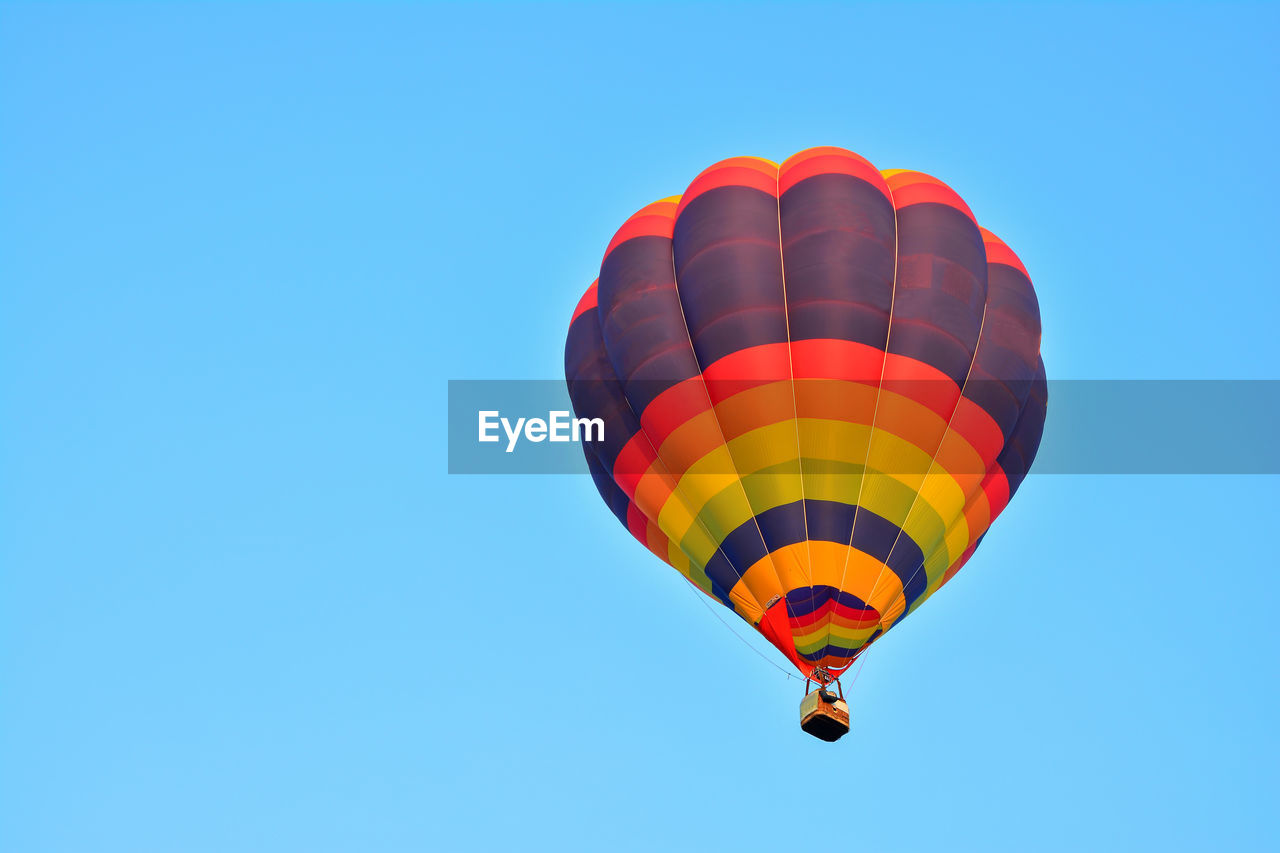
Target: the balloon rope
pixel 858 671
pixel 724 439
pixel 693 589
pixel 795 406
pixel 871 434
pixel 933 463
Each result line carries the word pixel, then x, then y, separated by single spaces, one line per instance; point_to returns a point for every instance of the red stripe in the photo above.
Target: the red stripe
pixel 836 611
pixel 996 487
pixel 799 623
pixel 998 252
pixel 746 369
pixel 813 360
pixel 918 188
pixel 655 220
pixel 638 524
pixel 827 358
pixel 734 172
pixel 775 629
pixel 828 161
pixel 586 303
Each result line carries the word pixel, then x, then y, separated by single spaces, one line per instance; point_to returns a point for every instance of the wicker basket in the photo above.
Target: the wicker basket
pixel 824 715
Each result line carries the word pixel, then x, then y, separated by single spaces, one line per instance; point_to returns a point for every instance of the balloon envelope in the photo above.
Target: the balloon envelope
pixel 820 384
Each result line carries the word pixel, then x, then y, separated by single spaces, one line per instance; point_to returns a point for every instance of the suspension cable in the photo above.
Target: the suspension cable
pixel 741 639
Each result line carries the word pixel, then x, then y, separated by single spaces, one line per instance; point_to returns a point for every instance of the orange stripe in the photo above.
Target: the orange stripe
pixel 634 459
pixel 907 420
pixel 921 382
pixel 674 407
pixel 654 489
pixel 758 407
pixel 978 429
pixel 913 387
pixel 977 518
pixel 691 441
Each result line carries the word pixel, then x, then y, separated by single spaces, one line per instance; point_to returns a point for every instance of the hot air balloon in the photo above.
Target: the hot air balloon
pixel 820 384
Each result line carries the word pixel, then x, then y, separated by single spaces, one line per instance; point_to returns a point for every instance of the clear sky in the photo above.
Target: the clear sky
pixel 242 605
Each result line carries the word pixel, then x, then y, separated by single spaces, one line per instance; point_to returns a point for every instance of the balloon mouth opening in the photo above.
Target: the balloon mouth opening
pixel 821 675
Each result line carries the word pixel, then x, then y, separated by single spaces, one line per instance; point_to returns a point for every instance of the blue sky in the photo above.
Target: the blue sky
pixel 242 605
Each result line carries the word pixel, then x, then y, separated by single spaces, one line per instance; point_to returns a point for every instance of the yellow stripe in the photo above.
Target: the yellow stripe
pixel 768 475
pixel 864 576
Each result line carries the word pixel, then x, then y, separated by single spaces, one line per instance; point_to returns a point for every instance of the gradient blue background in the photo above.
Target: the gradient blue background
pixel 242 606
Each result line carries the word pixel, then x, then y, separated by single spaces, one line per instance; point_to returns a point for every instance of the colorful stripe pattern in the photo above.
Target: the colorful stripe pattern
pixel 820 383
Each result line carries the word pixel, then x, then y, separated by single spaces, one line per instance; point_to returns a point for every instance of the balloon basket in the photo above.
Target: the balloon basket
pixel 824 715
